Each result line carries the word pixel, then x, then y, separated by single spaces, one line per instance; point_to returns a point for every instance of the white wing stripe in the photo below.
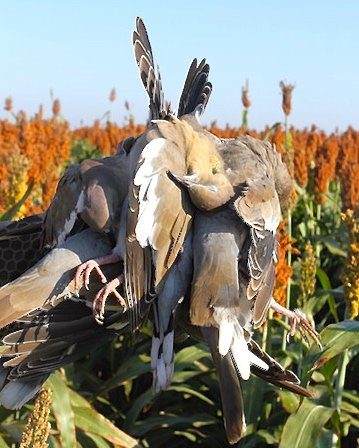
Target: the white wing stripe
pixel 147 179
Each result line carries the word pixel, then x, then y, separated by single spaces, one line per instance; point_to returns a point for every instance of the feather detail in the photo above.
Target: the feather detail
pixel 150 76
pixel 196 90
pixel 226 321
pixel 240 353
pixel 147 178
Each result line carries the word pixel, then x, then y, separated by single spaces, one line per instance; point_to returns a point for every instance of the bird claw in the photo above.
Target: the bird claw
pixel 298 321
pixel 84 271
pixel 99 302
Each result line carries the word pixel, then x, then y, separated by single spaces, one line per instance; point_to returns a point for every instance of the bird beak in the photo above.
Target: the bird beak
pixel 190 181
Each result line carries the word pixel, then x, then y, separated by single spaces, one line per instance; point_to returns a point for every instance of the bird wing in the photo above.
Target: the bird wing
pixel 150 76
pixel 62 213
pixel 47 281
pixel 159 215
pixel 93 190
pixel 45 340
pixel 259 208
pixel 254 164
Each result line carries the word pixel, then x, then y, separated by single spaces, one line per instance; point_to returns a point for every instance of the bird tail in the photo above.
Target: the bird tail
pixel 275 373
pixel 230 387
pixel 162 351
pixel 150 76
pixel 196 90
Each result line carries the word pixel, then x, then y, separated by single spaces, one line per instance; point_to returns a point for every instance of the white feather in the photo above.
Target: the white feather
pixel 154 351
pixel 226 331
pixel 240 353
pixel 161 377
pixel 255 361
pixel 70 222
pixel 226 321
pixel 147 178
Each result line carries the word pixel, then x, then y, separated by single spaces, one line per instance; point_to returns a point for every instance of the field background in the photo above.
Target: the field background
pixel 106 399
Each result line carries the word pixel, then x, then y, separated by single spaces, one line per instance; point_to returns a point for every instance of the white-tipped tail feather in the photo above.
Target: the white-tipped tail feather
pixel 162 360
pixel 231 338
pixel 240 352
pixel 255 361
pixel 226 321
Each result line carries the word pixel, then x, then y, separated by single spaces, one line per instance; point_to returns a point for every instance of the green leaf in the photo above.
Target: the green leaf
pixel 254 387
pixel 190 391
pixel 136 408
pixel 271 130
pixel 187 356
pixel 323 278
pixel 91 421
pixel 289 400
pixel 351 395
pixel 348 407
pixel 303 428
pixel 172 421
pixel 63 412
pixel 130 369
pixel 3 444
pixel 268 437
pixel 332 245
pixel 326 285
pixel 335 339
pixel 325 439
pixel 90 440
pixel 53 442
pixel 184 375
pixel 78 401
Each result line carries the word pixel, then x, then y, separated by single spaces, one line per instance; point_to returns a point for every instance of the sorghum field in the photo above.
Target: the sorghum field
pixel 106 399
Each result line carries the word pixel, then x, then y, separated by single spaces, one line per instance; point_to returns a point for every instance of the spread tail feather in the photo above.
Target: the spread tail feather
pixel 275 373
pixel 150 76
pixel 196 90
pixel 231 336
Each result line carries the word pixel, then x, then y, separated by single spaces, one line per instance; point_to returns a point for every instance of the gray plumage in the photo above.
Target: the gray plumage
pixel 197 89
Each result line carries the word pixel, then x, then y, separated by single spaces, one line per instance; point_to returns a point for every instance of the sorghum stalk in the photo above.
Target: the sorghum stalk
pixel 37 429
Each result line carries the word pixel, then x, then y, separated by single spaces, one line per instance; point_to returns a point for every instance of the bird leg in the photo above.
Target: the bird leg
pixel 297 321
pixel 99 302
pixel 85 269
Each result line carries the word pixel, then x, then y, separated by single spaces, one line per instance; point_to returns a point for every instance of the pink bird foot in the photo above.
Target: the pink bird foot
pixel 298 321
pixel 99 302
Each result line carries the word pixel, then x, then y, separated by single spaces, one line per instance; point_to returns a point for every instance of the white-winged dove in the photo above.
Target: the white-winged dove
pixel 225 197
pixel 52 325
pixel 231 190
pixel 169 280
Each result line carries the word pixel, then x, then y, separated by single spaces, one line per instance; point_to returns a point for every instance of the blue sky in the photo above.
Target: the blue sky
pixel 81 49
